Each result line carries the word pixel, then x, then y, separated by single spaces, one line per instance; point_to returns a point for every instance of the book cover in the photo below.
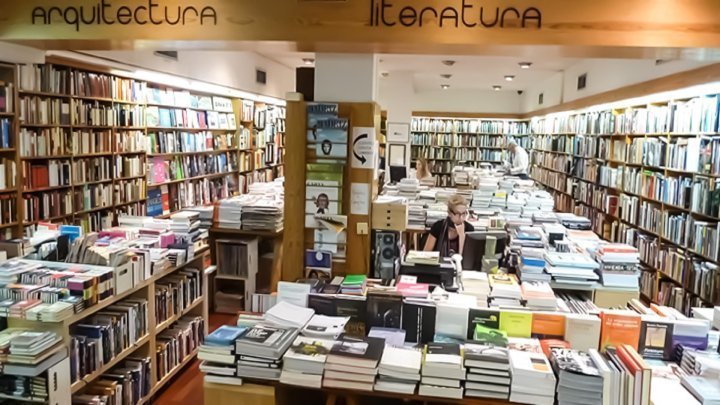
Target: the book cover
pixel 618 328
pixel 368 348
pixel 354 308
pixel 582 331
pixel 488 318
pixel 656 340
pixel 154 202
pixel 418 320
pixel 490 336
pixel 383 309
pixel 548 325
pixel 320 111
pixel 331 129
pixel 516 323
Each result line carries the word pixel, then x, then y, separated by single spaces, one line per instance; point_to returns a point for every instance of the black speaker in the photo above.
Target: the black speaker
pixel 386 254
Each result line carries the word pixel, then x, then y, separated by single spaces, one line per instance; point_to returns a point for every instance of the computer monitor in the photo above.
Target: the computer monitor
pixel 442 274
pixel 397 173
pixel 474 247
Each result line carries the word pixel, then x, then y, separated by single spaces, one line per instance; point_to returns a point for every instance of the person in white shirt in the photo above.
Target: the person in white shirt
pixel 519 161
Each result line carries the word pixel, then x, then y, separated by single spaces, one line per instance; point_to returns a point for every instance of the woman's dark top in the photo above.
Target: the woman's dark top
pixel 444 245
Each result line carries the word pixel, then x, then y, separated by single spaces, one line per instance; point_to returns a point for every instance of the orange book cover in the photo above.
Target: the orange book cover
pixel 618 328
pixel 549 344
pixel 546 324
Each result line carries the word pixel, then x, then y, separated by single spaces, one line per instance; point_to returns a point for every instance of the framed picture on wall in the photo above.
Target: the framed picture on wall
pixel 397 132
pixel 397 155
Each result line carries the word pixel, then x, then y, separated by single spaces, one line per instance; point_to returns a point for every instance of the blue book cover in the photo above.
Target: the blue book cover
pixel 73 231
pixel 6 133
pixel 165 120
pixel 154 202
pixel 224 335
pixel 533 262
pixel 334 130
pixel 320 111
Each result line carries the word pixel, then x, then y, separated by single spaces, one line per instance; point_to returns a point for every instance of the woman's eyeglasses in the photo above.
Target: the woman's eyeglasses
pixel 460 214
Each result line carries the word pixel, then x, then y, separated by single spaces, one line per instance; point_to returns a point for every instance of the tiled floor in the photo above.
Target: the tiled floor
pixel 187 387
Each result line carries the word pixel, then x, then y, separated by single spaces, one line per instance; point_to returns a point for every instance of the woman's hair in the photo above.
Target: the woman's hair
pixel 455 201
pixel 425 172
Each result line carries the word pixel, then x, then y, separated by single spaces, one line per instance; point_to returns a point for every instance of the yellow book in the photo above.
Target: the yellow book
pixel 516 323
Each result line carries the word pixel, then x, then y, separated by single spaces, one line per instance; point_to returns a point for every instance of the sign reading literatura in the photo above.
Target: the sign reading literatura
pixel 389 23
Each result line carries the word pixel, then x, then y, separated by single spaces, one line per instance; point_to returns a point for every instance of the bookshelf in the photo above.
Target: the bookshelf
pixel 645 175
pixel 92 145
pixel 9 157
pixel 447 142
pixel 148 344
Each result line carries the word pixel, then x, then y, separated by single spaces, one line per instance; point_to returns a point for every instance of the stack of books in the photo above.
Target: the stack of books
pixel 533 381
pixel 422 257
pixel 618 265
pixel 532 265
pixel 442 371
pixel 488 373
pixel 32 348
pixel 575 222
pixel 538 296
pixel 304 362
pixel 218 353
pixel 504 291
pixel 399 370
pixel 289 315
pixel 416 215
pixel 579 380
pixel 571 268
pixel 354 284
pixel 325 327
pixel 476 283
pixel 185 225
pixel 260 348
pixel 353 363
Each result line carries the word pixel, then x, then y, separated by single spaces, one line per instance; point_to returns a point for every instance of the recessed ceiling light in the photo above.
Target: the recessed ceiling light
pixel 308 61
pixel 384 74
pixel 446 76
pixel 509 78
pixel 444 86
pixel 497 88
pixel 525 65
pixel 448 62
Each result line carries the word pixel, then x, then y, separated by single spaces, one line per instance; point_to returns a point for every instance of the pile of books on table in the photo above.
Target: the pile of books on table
pixel 538 296
pixel 443 371
pixel 488 373
pixel 618 265
pixel 260 348
pixel 571 268
pixel 186 226
pixel 218 355
pixel 354 284
pixel 416 215
pixel 304 362
pixel 532 265
pixel 579 380
pixel 399 370
pixel 533 381
pixel 353 363
pixel 504 291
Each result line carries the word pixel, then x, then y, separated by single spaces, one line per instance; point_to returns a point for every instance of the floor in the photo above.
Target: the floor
pixel 187 387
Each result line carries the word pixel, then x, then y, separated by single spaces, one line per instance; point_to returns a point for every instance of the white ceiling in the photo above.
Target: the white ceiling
pixel 468 72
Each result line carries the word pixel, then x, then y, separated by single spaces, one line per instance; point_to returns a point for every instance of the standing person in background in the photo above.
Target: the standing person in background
pixel 422 173
pixel 519 161
pixel 447 236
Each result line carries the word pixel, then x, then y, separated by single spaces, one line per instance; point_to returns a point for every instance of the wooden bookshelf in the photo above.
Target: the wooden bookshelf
pixel 450 141
pixel 127 141
pixel 576 161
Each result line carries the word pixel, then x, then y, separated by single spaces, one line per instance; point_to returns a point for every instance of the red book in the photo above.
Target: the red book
pixel 619 327
pixel 412 290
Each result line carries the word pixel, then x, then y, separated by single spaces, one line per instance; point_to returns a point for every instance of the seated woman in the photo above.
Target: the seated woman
pixel 448 235
pixel 422 173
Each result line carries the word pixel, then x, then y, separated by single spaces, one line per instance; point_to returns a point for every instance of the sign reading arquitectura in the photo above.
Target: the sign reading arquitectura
pixel 367 25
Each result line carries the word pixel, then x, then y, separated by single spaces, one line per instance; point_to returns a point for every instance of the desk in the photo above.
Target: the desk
pixel 257 392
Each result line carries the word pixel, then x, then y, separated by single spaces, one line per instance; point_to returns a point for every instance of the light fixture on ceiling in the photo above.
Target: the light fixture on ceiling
pixel 446 76
pixel 509 78
pixel 497 87
pixel 448 62
pixel 384 74
pixel 444 86
pixel 525 65
pixel 308 61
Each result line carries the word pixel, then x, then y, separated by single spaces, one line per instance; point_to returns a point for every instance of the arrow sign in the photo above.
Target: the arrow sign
pixel 359 157
pixel 364 151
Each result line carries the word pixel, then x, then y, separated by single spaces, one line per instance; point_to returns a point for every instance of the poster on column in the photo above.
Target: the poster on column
pixel 364 148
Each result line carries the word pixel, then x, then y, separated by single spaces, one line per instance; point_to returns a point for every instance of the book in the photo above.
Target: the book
pixel 619 327
pixel 656 337
pixel 582 331
pixel 443 360
pixel 363 353
pixel 516 323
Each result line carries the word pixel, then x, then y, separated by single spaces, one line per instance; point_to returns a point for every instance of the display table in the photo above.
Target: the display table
pixel 270 393
pixel 277 241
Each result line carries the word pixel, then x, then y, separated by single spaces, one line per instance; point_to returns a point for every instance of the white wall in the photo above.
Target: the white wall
pixel 12 53
pixel 602 75
pixel 346 77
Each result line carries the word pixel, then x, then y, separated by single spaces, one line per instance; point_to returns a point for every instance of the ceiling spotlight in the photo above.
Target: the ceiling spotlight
pixel 448 62
pixel 446 76
pixel 444 86
pixel 308 61
pixel 384 74
pixel 509 78
pixel 497 88
pixel 525 65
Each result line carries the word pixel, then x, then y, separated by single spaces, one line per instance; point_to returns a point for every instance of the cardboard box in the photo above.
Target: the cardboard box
pixel 389 216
